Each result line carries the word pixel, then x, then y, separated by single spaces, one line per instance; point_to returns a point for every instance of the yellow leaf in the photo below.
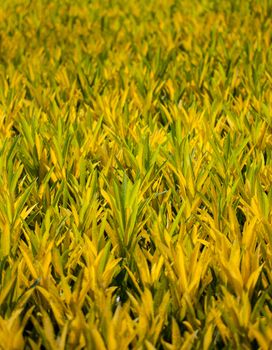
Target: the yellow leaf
pixel 97 340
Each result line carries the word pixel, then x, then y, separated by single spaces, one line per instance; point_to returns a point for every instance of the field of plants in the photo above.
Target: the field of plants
pixel 135 174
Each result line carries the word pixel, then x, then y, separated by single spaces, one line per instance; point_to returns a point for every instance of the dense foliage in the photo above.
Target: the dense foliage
pixel 135 174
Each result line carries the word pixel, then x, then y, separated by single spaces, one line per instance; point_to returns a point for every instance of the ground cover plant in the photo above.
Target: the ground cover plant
pixel 135 174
